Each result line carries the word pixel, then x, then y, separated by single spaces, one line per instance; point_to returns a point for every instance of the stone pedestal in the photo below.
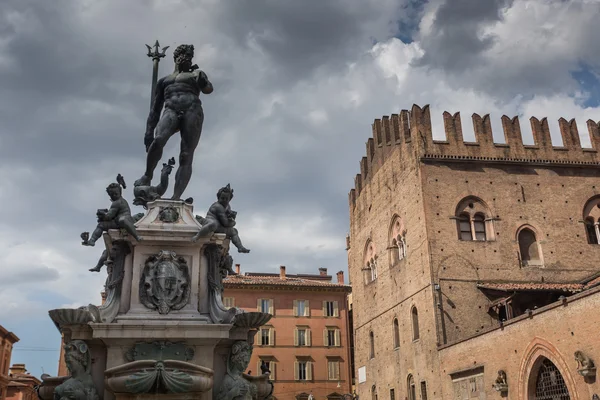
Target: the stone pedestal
pixel 161 332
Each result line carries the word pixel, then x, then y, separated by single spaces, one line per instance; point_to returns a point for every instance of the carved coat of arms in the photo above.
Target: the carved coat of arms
pixel 165 282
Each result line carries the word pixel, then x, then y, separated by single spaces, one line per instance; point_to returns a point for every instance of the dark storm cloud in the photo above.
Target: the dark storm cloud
pixel 29 275
pixel 456 38
pixel 302 36
pixel 75 101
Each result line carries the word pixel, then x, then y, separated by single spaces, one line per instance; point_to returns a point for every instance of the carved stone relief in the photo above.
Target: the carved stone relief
pixel 165 282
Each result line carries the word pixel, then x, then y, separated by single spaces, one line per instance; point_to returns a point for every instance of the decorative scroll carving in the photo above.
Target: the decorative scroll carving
pixel 114 281
pixel 219 266
pixel 165 282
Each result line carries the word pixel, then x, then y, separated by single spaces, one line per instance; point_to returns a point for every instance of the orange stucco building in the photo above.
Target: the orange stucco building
pixel 22 384
pixel 307 342
pixel 7 340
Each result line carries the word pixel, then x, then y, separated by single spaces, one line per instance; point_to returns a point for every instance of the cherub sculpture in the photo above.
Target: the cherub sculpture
pixel 118 216
pixel 220 218
pixel 80 385
pixel 146 193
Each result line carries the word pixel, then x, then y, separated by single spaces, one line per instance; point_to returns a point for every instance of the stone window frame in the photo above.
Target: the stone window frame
pixel 308 369
pixel 537 235
pixel 397 240
pixel 411 387
pixel 414 318
pixel 395 333
pixel 533 355
pixel 337 336
pixel 306 305
pixel 370 263
pixel 333 369
pixel 475 212
pixel 307 336
pixel 271 335
pixel 591 219
pixel 373 392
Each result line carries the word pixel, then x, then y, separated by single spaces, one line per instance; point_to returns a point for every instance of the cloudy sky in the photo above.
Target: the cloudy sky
pixel 297 85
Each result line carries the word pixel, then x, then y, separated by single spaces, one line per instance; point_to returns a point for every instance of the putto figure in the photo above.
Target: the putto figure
pixel 220 218
pixel 179 93
pixel 117 217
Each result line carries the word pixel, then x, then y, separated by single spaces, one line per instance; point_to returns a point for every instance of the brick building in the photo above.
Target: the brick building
pixel 7 340
pixel 306 343
pixel 475 265
pixel 22 384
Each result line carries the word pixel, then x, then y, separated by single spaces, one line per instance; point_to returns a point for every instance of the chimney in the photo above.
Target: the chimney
pixel 323 271
pixel 238 268
pixel 340 277
pixel 17 369
pixel 103 296
pixel 282 271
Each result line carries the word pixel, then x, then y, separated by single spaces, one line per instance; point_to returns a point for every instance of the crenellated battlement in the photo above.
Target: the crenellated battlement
pixel 411 133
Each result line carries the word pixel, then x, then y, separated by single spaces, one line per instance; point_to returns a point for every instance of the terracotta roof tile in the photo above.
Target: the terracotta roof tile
pixel 277 281
pixel 534 286
pixel 592 283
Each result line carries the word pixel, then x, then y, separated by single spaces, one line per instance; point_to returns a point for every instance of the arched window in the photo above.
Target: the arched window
pixel 411 388
pixel 474 220
pixel 479 226
pixel 529 248
pixel 415 322
pixel 591 218
pixel 549 383
pixel 370 268
pixel 371 345
pixel 373 393
pixel 591 229
pixel 397 239
pixel 396 333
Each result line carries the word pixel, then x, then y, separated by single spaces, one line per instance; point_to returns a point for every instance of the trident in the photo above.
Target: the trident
pixel 156 56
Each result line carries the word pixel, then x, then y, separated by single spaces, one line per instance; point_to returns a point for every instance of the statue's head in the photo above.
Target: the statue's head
pixel 77 356
pixel 240 354
pixel 225 194
pixel 114 191
pixel 183 55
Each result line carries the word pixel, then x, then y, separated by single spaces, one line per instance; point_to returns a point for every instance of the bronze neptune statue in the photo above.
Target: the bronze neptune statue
pixel 179 94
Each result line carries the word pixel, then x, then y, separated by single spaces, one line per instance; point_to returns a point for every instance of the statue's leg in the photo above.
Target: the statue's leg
pixel 100 228
pixel 95 236
pixel 206 230
pixel 167 126
pixel 127 224
pixel 191 129
pixel 237 242
pixel 101 262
